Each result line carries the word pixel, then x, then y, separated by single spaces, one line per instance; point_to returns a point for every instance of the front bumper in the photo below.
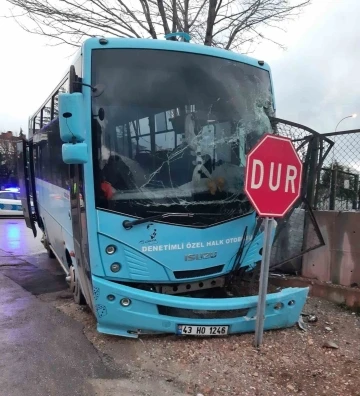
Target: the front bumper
pixel 142 315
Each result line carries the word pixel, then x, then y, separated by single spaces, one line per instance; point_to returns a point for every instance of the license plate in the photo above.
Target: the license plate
pixel 203 330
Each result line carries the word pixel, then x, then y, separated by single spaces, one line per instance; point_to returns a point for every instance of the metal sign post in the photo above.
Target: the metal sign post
pixel 273 185
pixel 264 276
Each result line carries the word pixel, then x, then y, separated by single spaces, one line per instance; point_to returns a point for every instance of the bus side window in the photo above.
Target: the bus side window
pixel 41 118
pixel 55 111
pixel 31 124
pixel 37 123
pixel 46 113
pixel 55 105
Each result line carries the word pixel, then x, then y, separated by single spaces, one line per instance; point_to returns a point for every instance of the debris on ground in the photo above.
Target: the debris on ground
pixel 310 318
pixel 330 344
pixel 301 324
pixel 289 362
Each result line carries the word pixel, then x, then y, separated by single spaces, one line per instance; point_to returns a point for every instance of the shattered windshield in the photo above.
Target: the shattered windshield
pixel 171 131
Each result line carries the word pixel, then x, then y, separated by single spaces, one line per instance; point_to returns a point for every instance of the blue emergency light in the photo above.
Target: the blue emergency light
pixel 13 189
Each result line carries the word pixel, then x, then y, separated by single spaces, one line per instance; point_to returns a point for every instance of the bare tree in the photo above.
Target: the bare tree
pixel 229 24
pixel 7 144
pixel 8 156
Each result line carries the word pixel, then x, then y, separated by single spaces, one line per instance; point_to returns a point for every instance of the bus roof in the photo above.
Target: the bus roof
pixel 170 45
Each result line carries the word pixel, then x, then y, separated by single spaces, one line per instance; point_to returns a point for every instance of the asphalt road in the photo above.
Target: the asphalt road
pixel 45 352
pixel 42 351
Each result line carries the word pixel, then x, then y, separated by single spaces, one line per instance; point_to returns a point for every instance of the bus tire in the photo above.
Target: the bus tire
pixel 76 288
pixel 46 244
pixel 50 253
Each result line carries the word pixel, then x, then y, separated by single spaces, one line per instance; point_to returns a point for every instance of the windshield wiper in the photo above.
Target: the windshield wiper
pixel 128 224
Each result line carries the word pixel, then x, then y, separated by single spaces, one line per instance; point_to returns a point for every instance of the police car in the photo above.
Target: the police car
pixel 10 204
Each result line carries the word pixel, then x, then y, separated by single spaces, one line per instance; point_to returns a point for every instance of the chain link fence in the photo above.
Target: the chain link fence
pixel 337 186
pixel 289 242
pixel 331 170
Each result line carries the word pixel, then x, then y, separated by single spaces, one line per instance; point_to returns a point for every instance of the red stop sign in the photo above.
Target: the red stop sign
pixel 273 176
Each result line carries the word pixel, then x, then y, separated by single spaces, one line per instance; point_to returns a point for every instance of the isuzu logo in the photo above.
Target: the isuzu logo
pixel 200 256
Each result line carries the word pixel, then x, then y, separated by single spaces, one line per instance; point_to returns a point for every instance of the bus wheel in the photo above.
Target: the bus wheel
pixel 76 288
pixel 46 244
pixel 51 253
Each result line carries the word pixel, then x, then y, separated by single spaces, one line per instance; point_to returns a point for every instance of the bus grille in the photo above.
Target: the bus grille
pixel 198 273
pixel 196 314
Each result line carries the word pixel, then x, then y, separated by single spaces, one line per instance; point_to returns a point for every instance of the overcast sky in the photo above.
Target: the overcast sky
pixel 316 79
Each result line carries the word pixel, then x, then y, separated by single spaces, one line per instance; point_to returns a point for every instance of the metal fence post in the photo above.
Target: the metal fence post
pixel 318 175
pixel 312 173
pixel 356 192
pixel 333 185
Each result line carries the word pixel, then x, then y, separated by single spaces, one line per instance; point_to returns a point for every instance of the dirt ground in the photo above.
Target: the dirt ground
pixel 323 360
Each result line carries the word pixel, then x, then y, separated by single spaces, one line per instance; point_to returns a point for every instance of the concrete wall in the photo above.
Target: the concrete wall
pixel 339 260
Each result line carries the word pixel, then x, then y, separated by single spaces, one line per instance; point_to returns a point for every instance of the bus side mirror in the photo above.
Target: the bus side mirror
pixel 74 154
pixel 71 117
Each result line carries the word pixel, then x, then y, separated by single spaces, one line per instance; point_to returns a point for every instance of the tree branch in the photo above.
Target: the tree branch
pixel 210 22
pixel 199 10
pixel 162 12
pixel 230 24
pixel 146 10
pixel 186 16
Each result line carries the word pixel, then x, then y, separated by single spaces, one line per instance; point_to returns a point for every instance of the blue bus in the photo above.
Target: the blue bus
pixel 135 164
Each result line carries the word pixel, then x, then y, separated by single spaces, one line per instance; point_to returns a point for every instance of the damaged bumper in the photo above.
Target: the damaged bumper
pixel 128 312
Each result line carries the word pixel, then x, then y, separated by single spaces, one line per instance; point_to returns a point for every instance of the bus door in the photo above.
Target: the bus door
pixel 80 235
pixel 25 174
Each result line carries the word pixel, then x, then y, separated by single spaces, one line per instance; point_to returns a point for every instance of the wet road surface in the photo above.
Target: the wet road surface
pixel 24 260
pixel 42 351
pixel 46 352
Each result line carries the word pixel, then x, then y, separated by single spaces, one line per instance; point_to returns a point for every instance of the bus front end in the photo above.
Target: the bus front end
pixel 168 126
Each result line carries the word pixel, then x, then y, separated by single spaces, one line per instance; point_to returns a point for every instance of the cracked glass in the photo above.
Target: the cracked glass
pixel 171 131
